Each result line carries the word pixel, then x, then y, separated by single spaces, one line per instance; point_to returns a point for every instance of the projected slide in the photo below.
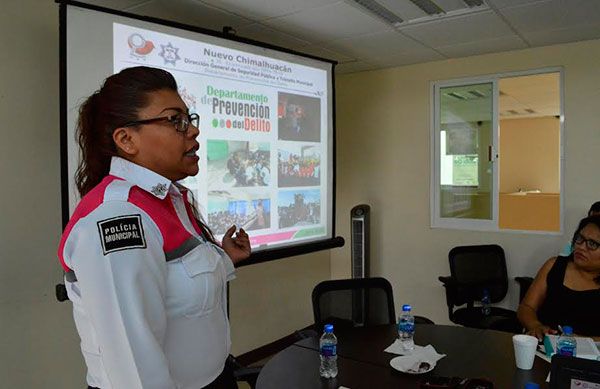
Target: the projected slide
pixel 265 131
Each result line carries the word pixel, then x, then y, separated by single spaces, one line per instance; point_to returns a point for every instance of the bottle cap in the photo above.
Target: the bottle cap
pixel 567 330
pixel 532 385
pixel 406 308
pixel 328 328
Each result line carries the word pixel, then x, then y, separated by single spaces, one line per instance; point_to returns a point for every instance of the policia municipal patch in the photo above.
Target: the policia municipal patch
pixel 121 233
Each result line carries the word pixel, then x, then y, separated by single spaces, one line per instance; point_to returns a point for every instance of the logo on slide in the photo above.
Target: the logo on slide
pixel 169 54
pixel 139 46
pixel 188 98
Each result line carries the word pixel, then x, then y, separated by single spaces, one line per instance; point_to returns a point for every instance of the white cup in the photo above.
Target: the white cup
pixel 525 347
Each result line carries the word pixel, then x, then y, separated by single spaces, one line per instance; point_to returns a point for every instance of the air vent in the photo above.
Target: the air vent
pixel 380 11
pixel 428 6
pixel 513 112
pixel 529 110
pixel 473 3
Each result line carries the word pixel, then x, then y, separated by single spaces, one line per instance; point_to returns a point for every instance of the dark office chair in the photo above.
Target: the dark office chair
pixel 474 269
pixel 356 302
pixel 569 372
pixel 243 373
pixel 524 284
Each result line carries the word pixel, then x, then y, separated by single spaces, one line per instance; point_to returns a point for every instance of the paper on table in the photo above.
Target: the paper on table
pixel 396 348
pixel 411 363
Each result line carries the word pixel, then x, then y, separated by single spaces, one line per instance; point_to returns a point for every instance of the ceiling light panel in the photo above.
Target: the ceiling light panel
pixel 451 5
pixel 428 6
pixel 473 3
pixel 380 11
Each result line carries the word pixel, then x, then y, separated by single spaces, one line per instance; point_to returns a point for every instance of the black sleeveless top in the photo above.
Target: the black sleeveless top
pixel 567 307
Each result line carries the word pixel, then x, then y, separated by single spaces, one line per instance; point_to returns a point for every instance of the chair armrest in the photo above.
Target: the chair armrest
pixel 248 375
pixel 524 284
pixel 447 280
pixel 243 373
pixel 306 333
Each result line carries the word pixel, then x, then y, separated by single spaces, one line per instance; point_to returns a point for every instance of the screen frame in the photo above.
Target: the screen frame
pixel 268 254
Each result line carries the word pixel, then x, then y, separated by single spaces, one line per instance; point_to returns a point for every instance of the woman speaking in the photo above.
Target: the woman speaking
pixel 144 273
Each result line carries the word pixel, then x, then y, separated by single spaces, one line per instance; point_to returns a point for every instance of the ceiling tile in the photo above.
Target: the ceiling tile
pixel 266 34
pixel 328 23
pixel 496 45
pixel 191 12
pixel 511 3
pixel 115 4
pixel 553 14
pixel 377 44
pixel 323 52
pixel 406 59
pixel 263 9
pixel 564 35
pixel 460 29
pixel 354 67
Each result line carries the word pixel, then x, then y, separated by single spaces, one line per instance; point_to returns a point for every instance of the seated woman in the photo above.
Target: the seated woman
pixel 566 290
pixel 568 249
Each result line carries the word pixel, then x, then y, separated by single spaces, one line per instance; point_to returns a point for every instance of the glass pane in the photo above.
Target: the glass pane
pixel 466 175
pixel 529 143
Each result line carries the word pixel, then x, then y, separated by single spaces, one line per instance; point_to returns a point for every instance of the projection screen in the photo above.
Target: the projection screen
pixel 266 121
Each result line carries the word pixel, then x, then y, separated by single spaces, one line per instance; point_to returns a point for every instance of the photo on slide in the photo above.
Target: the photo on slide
pixel 248 211
pixel 298 165
pixel 299 117
pixel 299 208
pixel 237 164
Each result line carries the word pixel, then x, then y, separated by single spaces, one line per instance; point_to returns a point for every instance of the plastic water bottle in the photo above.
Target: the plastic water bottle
pixel 406 328
pixel 328 347
pixel 566 343
pixel 485 302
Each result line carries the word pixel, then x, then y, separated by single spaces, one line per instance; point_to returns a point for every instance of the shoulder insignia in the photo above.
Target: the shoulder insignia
pixel 121 233
pixel 159 189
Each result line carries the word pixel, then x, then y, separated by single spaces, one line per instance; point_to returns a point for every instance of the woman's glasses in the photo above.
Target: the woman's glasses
pixel 180 121
pixel 589 243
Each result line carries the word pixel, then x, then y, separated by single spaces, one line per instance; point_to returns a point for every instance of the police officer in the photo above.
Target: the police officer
pixel 144 273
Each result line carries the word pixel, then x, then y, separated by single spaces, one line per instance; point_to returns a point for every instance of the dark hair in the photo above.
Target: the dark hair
pixel 116 103
pixel 595 208
pixel 595 220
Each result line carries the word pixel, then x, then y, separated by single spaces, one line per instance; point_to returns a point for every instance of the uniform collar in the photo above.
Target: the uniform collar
pixel 142 177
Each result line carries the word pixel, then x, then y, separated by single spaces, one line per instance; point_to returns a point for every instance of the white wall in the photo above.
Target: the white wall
pixel 37 347
pixel 384 160
pixel 38 344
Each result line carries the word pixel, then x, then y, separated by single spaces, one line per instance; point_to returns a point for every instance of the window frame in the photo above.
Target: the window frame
pixel 476 224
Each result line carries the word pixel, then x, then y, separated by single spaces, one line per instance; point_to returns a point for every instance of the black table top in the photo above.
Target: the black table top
pixel 362 363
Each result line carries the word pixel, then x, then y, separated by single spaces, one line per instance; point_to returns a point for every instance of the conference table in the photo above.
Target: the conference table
pixel 362 363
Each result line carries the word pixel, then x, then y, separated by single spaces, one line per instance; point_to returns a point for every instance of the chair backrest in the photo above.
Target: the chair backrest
pixel 475 268
pixel 353 302
pixel 569 372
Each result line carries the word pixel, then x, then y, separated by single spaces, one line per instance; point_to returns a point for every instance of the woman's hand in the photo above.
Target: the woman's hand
pixel 540 330
pixel 238 247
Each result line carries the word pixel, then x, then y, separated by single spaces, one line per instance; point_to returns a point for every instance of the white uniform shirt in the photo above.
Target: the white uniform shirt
pixel 149 299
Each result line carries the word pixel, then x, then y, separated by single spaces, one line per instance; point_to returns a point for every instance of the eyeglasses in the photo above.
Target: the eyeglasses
pixel 181 121
pixel 589 243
